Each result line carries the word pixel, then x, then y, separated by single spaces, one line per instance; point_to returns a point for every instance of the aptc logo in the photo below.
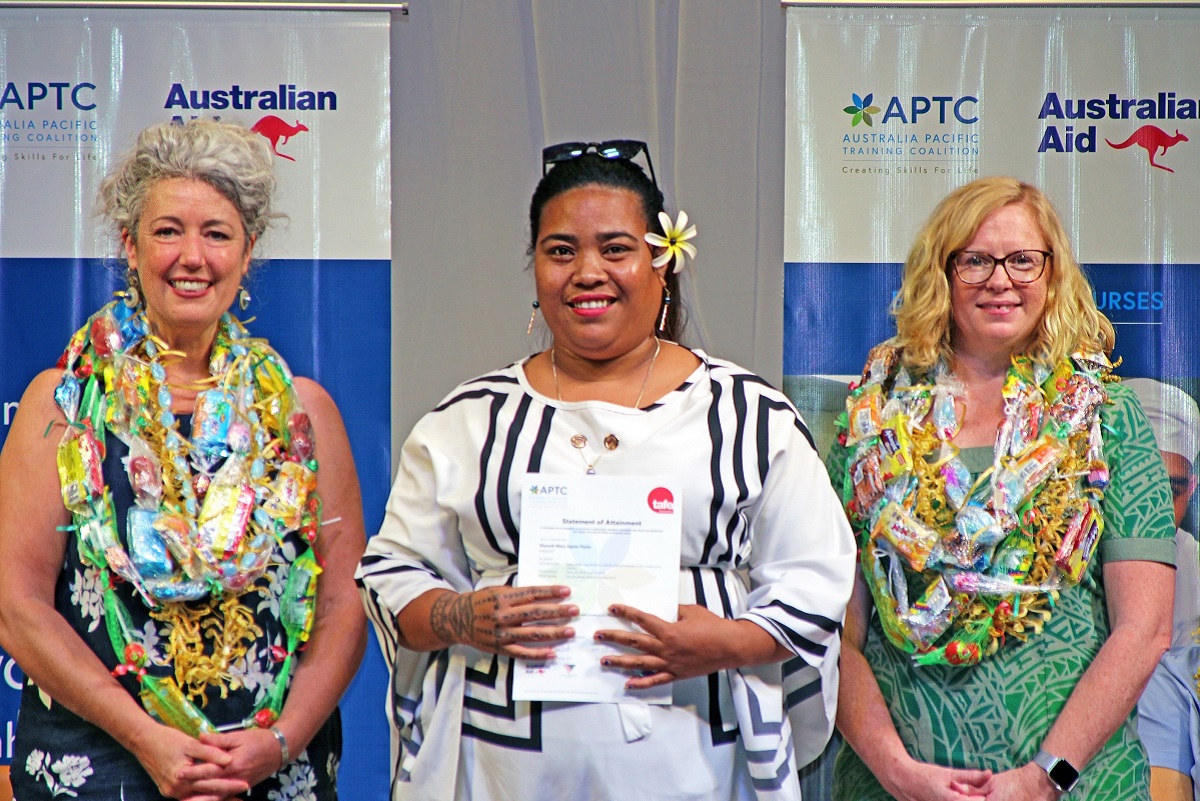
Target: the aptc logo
pixel 277 131
pixel 547 489
pixel 862 109
pixel 661 500
pixel 948 109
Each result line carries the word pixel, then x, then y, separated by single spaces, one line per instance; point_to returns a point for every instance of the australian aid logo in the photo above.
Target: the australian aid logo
pixel 661 501
pixel 284 97
pixel 920 134
pixel 1143 126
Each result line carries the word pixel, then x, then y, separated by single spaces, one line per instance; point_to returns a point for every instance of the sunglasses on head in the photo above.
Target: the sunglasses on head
pixel 612 149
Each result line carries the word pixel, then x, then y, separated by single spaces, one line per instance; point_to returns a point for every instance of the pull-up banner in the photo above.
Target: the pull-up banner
pixel 890 109
pixel 75 87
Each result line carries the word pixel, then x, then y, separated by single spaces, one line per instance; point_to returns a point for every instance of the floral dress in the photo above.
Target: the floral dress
pixel 58 754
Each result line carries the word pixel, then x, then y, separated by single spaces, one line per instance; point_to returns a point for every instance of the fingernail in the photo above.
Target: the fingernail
pixel 612 610
pixel 601 637
pixel 606 662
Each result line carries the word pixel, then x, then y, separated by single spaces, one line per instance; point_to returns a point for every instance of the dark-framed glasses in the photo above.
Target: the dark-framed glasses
pixel 1023 266
pixel 611 149
pixel 1180 485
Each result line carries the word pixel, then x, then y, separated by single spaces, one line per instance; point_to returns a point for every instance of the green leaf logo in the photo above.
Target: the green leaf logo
pixel 862 109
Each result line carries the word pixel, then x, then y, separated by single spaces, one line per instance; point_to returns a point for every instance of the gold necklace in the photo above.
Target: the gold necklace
pixel 579 441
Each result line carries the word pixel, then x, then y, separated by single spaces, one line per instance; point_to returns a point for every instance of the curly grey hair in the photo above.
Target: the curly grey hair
pixel 232 159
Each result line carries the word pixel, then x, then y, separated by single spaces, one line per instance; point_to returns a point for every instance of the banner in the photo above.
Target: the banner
pixel 75 87
pixel 889 110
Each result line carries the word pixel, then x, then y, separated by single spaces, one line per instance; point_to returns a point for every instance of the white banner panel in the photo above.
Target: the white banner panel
pixel 76 85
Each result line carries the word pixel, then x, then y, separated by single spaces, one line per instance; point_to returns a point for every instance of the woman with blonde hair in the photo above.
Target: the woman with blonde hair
pixel 1014 526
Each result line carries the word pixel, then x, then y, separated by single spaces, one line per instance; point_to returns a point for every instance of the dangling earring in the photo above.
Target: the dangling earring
pixel 133 295
pixel 532 317
pixel 243 298
pixel 662 320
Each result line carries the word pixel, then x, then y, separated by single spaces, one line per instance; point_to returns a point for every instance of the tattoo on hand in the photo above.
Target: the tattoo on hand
pixel 453 620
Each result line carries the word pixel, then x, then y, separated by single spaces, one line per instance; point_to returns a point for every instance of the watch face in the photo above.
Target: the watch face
pixel 1063 775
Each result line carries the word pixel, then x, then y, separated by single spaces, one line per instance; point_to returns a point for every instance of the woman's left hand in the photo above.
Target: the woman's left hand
pixel 255 752
pixel 1026 783
pixel 697 644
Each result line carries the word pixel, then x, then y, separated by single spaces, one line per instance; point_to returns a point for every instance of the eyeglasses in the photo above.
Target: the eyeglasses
pixel 1180 485
pixel 1023 267
pixel 624 149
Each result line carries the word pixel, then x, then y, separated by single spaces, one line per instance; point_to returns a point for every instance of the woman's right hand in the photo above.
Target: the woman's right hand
pixel 183 767
pixel 919 781
pixel 514 621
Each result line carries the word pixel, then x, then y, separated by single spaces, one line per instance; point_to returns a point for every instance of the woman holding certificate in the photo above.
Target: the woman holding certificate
pixel 716 696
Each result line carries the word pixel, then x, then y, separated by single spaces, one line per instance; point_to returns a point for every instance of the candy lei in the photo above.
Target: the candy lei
pixel 209 513
pixel 957 566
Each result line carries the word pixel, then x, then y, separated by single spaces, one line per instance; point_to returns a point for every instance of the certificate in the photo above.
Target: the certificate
pixel 611 539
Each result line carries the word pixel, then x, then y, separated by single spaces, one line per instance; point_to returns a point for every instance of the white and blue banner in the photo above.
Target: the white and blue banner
pixel 890 109
pixel 76 85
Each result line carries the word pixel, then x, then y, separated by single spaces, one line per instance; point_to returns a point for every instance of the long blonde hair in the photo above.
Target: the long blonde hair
pixel 1070 321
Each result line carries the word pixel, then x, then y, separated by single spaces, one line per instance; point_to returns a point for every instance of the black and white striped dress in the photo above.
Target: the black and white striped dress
pixel 764 539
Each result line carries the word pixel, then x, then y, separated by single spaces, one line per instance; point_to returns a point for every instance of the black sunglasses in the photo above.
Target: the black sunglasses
pixel 612 149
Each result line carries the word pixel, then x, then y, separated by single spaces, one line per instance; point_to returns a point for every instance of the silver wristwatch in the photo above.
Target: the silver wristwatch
pixel 1062 773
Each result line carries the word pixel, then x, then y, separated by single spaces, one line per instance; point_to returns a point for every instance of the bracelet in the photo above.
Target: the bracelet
pixel 283 746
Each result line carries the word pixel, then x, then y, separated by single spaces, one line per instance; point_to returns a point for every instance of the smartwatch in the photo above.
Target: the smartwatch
pixel 1061 772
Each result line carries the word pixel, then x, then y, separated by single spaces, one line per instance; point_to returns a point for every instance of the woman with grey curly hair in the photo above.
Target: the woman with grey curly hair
pixel 175 566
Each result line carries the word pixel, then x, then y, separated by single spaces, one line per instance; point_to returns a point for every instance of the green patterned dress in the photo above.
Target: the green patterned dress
pixel 996 714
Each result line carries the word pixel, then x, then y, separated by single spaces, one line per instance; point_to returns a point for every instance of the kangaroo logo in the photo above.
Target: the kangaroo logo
pixel 1152 138
pixel 278 132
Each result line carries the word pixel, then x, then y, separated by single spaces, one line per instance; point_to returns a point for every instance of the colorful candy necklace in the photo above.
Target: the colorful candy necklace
pixel 210 511
pixel 954 565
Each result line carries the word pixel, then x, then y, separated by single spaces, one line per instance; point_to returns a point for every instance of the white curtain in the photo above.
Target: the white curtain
pixel 480 86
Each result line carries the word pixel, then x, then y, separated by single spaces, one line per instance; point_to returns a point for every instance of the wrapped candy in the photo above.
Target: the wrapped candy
pixel 67 396
pixel 106 337
pixel 1078 543
pixel 297 606
pixel 167 704
pixel 146 546
pixel 289 493
pixel 300 437
pixel 79 457
pixel 867 480
pixel 911 538
pixel 895 448
pixel 226 512
pixel 864 410
pixel 931 615
pixel 1018 476
pixel 145 474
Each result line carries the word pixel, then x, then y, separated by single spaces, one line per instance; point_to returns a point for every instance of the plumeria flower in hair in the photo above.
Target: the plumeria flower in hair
pixel 674 238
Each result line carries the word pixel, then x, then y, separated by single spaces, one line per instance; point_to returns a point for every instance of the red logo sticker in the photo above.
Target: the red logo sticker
pixel 662 501
pixel 278 132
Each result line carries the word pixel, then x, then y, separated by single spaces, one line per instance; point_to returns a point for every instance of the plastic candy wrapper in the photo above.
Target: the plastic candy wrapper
pixel 958 480
pixel 1078 544
pixel 867 480
pixel 864 412
pixel 106 336
pixel 119 563
pixel 210 425
pixel 895 448
pixel 945 418
pixel 167 704
pixel 1027 423
pixel 146 547
pixel 912 402
pixel 67 396
pixel 969 545
pixel 911 538
pixel 225 513
pixel 172 589
pixel 980 584
pixel 1098 475
pixel 297 606
pixel 1018 476
pixel 1078 402
pixel 1012 558
pixel 79 458
pixel 145 474
pixel 931 615
pixel 177 533
pixel 98 533
pixel 301 445
pixel 289 493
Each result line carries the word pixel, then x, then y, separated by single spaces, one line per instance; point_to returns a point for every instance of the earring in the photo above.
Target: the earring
pixel 662 320
pixel 532 317
pixel 133 295
pixel 243 298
